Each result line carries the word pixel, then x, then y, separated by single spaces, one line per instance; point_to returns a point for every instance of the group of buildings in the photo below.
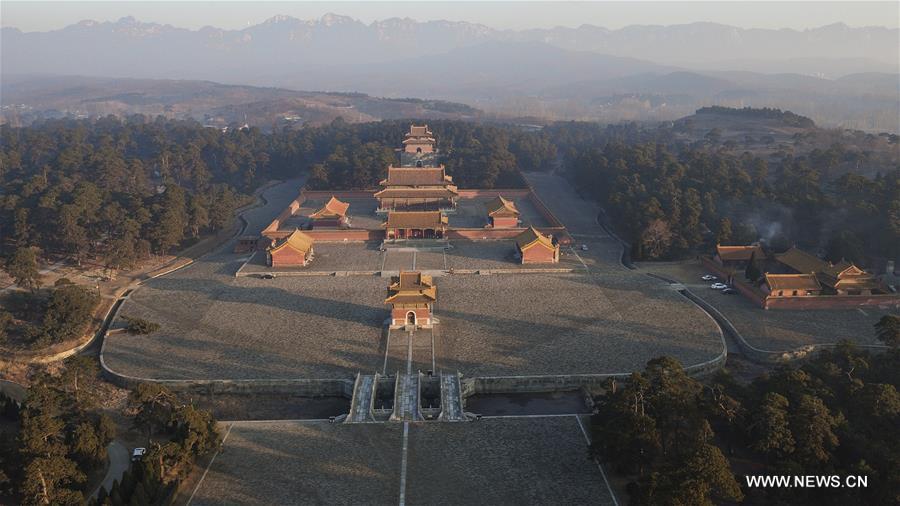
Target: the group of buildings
pixel 795 275
pixel 416 199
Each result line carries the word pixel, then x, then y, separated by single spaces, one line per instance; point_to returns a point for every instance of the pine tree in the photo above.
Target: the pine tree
pixel 888 330
pixel 725 233
pixel 23 267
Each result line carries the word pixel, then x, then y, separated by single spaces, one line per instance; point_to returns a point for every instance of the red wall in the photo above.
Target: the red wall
pixel 505 222
pixel 327 222
pixel 474 194
pixel 399 315
pixel 538 255
pixel 478 234
pixel 832 301
pixel 287 257
pixel 355 235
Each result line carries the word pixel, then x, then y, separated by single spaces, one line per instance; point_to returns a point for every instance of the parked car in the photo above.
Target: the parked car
pixel 268 276
pixel 718 286
pixel 584 247
pixel 729 291
pixel 709 277
pixel 138 454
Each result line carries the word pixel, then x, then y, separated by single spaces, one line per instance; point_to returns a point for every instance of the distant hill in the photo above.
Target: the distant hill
pixel 26 99
pixel 836 75
pixel 132 48
pixel 786 118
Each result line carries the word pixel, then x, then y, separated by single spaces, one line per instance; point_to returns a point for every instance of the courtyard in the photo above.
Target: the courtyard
pixel 463 463
pixel 469 213
pixel 216 326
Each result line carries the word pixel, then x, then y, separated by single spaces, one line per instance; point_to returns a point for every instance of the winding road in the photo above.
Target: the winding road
pixel 119 461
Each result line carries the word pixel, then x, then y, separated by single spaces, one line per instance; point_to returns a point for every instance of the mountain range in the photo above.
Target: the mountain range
pixel 838 75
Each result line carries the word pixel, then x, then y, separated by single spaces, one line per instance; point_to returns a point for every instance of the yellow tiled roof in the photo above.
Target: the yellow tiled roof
pixel 411 287
pixel 501 206
pixel 334 208
pixel 801 261
pixel 297 240
pixel 415 219
pixel 792 282
pixel 531 237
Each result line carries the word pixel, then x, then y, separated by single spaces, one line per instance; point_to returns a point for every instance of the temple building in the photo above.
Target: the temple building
pixel 798 261
pixel 295 250
pixel 419 140
pixel 737 257
pixel 415 225
pixel 417 188
pixel 332 214
pixel 791 285
pixel 842 278
pixel 411 296
pixel 533 247
pixel 502 213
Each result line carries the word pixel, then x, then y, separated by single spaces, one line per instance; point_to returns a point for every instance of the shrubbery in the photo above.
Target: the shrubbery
pixel 140 326
pixel 681 441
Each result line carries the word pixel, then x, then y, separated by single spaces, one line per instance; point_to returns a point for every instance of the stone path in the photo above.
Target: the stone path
pixel 363 397
pixel 451 400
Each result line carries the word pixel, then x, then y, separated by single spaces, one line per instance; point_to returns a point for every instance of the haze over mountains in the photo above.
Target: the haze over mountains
pixel 835 74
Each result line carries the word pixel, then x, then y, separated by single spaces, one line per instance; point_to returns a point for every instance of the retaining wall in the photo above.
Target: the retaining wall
pixel 560 383
pixel 300 387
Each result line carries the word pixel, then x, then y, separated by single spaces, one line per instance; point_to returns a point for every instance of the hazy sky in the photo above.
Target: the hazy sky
pixel 42 16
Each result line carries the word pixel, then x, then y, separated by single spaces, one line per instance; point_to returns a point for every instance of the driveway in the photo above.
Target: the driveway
pixel 119 462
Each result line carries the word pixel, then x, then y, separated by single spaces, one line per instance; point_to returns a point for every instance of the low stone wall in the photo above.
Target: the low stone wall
pixel 299 387
pixel 566 382
pixel 271 231
pixel 545 211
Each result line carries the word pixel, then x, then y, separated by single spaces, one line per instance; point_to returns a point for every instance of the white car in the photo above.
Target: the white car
pixel 138 454
pixel 709 277
pixel 718 286
pixel 584 247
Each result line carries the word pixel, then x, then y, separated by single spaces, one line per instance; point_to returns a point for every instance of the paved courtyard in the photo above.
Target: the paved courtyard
pixel 472 213
pixel 566 324
pixel 215 326
pixel 602 318
pixel 305 463
pixel 493 461
pixel 361 212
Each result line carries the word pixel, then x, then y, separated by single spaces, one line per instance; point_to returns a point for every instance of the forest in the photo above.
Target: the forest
pixel 672 200
pixel 785 117
pixel 53 442
pixel 682 441
pixel 113 191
